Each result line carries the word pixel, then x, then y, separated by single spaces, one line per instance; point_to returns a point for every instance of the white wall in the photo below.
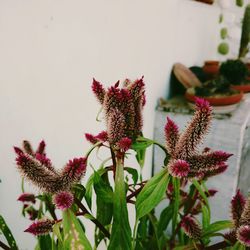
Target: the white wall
pixel 49 52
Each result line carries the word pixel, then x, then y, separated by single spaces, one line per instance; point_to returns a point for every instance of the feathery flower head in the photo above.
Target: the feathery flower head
pixel 124 144
pixel 27 197
pixel 40 227
pixel 75 169
pixel 41 147
pixel 63 200
pixel 179 168
pixel 116 126
pixel 91 138
pixel 27 147
pixel 195 131
pixel 243 235
pixel 231 236
pixel 245 216
pixel 237 205
pixel 171 135
pixel 18 151
pixel 43 160
pixel 191 227
pixel 98 90
pixel 102 136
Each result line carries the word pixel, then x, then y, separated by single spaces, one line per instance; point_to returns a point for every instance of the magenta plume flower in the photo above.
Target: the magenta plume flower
pixel 245 216
pixel 243 235
pixel 74 170
pixel 41 148
pixel 40 227
pixel 63 200
pixel 27 197
pixel 237 205
pixel 44 160
pixel 98 90
pixel 179 168
pixel 195 131
pixel 171 135
pixel 124 144
pixel 102 136
pixel 191 227
pixel 91 138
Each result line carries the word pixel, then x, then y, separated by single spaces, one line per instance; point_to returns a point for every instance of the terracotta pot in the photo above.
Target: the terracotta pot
pixel 217 101
pixel 244 88
pixel 211 67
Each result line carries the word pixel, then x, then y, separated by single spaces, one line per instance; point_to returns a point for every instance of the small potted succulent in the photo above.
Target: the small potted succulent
pixel 236 72
pixel 217 91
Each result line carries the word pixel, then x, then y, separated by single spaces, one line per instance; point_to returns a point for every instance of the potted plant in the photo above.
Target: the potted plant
pixel 181 185
pixel 216 91
pixel 236 72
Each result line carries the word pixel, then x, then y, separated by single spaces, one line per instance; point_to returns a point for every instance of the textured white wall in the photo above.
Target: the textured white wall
pixel 49 52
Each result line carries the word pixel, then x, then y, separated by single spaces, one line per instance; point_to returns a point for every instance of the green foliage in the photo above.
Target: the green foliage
pixel 7 233
pixel 245 33
pixel 234 71
pixel 239 3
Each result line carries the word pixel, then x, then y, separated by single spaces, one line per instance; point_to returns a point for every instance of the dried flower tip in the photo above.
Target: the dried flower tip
pixel 124 144
pixel 28 148
pixel 243 235
pixel 98 90
pixel 27 197
pixel 245 217
pixel 171 135
pixel 75 169
pixel 91 138
pixel 63 200
pixel 191 227
pixel 102 136
pixel 231 236
pixel 40 227
pixel 206 150
pixel 117 84
pixel 18 151
pixel 211 192
pixel 41 147
pixel 237 205
pixel 179 168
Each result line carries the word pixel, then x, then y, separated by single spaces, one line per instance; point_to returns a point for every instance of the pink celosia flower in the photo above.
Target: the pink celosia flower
pixel 171 135
pixel 179 168
pixel 237 205
pixel 102 136
pixel 41 148
pixel 98 90
pixel 18 151
pixel 40 227
pixel 116 126
pixel 191 227
pixel 74 170
pixel 124 144
pixel 63 200
pixel 243 235
pixel 184 146
pixel 27 197
pixel 28 148
pixel 245 216
pixel 44 160
pixel 231 237
pixel 91 138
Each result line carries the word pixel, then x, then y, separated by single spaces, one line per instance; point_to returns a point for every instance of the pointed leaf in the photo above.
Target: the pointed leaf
pixel 217 226
pixel 152 193
pixel 121 232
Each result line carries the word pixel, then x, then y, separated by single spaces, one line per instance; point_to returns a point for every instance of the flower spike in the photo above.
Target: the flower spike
pixel 191 227
pixel 179 168
pixel 63 200
pixel 243 235
pixel 237 205
pixel 171 135
pixel 98 90
pixel 40 227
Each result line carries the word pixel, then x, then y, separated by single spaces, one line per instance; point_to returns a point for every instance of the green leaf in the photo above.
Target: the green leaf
pixel 205 217
pixel 202 193
pixel 79 191
pixel 121 233
pixel 217 226
pixel 103 189
pixel 45 242
pixel 104 205
pixel 165 217
pixel 176 184
pixel 7 233
pixel 74 236
pixel 152 193
pixel 89 186
pixel 239 3
pixel 56 231
pixel 133 172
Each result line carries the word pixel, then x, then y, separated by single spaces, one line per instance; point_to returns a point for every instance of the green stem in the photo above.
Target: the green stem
pixel 134 234
pixel 92 148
